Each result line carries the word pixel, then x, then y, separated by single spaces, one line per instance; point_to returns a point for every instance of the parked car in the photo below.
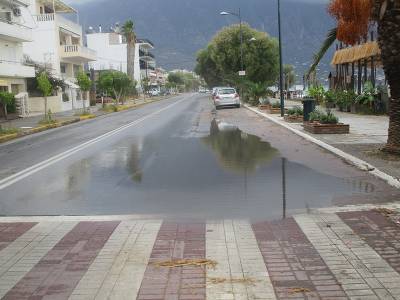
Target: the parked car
pixel 214 92
pixel 226 97
pixel 154 93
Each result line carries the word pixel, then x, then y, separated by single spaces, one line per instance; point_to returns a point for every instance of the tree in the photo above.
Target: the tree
pixel 84 84
pixel 46 89
pixel 207 68
pixel 115 83
pixel 128 30
pixel 289 76
pixel 257 91
pixel 6 99
pixel 175 79
pixel 353 20
pixel 222 57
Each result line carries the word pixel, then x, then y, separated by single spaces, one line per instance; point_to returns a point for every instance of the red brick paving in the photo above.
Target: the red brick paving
pixel 9 232
pixel 176 241
pixel 292 262
pixel 379 232
pixel 57 274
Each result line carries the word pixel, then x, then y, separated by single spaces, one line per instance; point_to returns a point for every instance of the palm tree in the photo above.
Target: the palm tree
pixel 352 26
pixel 328 42
pixel 128 30
pixel 289 76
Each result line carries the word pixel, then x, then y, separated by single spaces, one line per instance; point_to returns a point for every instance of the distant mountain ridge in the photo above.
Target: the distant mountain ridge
pixel 179 28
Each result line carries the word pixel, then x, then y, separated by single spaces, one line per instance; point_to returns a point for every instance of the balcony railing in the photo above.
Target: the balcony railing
pixel 77 51
pixel 61 21
pixel 14 31
pixel 144 54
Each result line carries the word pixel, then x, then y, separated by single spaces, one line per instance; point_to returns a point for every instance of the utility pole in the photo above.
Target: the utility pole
pixel 280 62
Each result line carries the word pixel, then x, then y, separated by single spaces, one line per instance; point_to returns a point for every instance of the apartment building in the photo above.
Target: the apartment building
pixel 13 33
pixel 57 44
pixel 111 51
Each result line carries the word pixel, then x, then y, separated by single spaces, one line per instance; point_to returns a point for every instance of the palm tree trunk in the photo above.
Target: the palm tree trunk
pixel 389 41
pixel 131 59
pixel 45 108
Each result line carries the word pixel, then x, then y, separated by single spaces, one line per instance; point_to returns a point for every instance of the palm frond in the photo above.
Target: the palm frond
pixel 328 42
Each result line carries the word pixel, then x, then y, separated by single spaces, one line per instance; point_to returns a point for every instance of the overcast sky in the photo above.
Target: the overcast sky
pixel 82 1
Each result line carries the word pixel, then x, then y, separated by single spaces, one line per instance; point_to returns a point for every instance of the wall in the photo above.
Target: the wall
pixel 36 104
pixel 109 56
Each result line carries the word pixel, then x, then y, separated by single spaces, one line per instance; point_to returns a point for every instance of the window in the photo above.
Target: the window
pixel 63 68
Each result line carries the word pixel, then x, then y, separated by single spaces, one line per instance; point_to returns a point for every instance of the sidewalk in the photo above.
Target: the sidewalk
pixel 32 121
pixel 351 253
pixel 367 135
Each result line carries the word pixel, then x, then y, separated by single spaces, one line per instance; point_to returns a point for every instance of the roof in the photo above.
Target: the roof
pixel 356 53
pixel 59 6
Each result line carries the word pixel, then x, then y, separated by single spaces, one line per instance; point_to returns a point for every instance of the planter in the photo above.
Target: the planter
pixel 317 128
pixel 274 111
pixel 264 106
pixel 294 119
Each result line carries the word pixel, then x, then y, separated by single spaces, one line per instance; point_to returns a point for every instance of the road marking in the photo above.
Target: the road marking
pixel 6 182
pixel 233 245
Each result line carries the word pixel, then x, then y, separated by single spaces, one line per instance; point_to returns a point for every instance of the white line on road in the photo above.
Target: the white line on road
pixel 6 182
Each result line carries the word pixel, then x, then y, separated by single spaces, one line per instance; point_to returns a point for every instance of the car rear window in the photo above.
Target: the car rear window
pixel 227 91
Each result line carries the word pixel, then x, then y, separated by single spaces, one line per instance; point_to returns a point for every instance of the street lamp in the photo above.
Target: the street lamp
pixel 239 16
pixel 280 62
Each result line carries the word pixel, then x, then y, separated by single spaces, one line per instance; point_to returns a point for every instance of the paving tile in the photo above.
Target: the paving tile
pixel 61 268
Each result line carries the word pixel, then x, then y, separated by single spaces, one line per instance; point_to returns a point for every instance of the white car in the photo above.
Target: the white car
pixel 154 93
pixel 226 97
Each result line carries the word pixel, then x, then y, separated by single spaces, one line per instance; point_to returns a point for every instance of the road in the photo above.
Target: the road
pixel 178 158
pixel 175 200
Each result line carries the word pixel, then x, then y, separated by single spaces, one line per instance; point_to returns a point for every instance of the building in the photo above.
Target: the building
pixel 13 33
pixel 111 51
pixel 57 44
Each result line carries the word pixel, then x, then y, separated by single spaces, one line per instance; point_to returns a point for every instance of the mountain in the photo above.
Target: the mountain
pixel 179 28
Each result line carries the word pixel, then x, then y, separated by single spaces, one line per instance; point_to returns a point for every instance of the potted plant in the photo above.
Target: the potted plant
pixel 330 99
pixel 364 103
pixel 325 123
pixel 294 115
pixel 345 99
pixel 265 104
pixel 275 108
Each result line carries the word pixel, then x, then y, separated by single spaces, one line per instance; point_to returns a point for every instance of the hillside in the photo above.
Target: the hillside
pixel 179 28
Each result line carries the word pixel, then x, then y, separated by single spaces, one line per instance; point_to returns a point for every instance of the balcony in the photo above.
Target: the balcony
pixel 14 32
pixel 77 54
pixel 145 43
pixel 146 56
pixel 16 69
pixel 61 21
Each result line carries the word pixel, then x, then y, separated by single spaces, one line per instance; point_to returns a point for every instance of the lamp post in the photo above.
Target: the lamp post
pixel 280 62
pixel 239 16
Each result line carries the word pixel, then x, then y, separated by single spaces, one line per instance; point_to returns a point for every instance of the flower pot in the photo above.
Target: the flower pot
pixel 264 106
pixel 318 128
pixel 294 119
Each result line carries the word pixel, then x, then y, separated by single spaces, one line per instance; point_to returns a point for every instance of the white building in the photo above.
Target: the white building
pixel 13 33
pixel 57 43
pixel 111 51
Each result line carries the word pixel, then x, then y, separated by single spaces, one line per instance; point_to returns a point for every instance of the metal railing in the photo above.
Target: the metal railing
pixel 78 49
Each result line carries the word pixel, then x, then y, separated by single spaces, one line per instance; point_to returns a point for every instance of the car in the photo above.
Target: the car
pixel 154 93
pixel 226 97
pixel 214 92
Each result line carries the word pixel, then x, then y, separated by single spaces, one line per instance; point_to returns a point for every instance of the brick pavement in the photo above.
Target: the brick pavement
pixel 344 253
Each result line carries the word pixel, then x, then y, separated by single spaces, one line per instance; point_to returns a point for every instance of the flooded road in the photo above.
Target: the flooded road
pixel 192 162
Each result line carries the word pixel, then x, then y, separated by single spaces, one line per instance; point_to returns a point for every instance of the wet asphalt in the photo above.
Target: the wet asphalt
pixel 179 159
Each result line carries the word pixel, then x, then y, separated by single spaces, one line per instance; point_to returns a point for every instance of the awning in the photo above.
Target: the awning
pixel 59 6
pixel 356 53
pixel 71 84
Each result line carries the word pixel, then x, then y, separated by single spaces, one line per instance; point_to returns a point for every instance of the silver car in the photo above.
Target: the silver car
pixel 226 97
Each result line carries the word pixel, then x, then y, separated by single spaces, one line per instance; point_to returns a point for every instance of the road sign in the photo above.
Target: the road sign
pixel 242 73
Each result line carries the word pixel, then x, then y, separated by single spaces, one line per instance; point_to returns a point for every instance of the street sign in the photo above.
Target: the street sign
pixel 242 73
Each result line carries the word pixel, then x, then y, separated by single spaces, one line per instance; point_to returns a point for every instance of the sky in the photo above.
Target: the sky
pixel 84 1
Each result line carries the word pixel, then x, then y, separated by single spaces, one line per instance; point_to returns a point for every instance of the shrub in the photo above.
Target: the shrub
pixel 329 118
pixel 369 94
pixel 323 118
pixel 264 101
pixel 295 111
pixel 5 131
pixel 345 98
pixel 276 105
pixel 317 92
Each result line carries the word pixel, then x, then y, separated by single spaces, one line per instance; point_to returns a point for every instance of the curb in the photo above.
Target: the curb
pixel 359 163
pixel 13 136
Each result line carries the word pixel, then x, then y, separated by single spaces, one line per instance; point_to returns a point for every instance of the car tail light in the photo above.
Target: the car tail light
pixel 236 95
pixel 217 97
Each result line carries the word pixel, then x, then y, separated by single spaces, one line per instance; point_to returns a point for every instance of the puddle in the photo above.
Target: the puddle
pixel 228 174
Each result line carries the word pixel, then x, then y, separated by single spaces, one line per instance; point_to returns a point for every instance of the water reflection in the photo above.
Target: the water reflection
pixel 236 150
